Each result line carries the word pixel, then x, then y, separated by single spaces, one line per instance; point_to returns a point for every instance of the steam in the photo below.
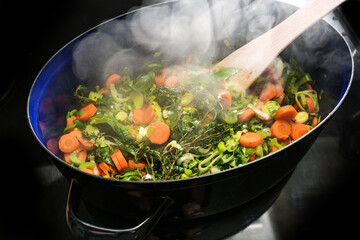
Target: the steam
pixel 178 29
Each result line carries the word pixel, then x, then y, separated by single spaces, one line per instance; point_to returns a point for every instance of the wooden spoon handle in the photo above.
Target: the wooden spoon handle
pixel 255 56
pixel 288 30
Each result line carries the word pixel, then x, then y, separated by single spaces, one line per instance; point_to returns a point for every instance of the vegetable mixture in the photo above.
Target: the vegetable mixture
pixel 178 122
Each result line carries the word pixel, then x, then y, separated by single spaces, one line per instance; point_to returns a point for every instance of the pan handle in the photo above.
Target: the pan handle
pixel 86 230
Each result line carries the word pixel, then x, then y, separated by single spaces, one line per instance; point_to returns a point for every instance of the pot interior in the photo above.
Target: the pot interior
pixel 321 51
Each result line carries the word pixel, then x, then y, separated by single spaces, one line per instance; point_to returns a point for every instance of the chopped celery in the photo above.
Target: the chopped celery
pixel 186 99
pixel 137 98
pixel 121 116
pixel 86 165
pixel 74 159
pixel 94 96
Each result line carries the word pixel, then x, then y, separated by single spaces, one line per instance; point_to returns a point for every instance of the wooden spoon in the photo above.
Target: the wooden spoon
pixel 255 56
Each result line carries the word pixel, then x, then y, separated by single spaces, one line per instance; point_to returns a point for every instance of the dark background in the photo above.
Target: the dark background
pixel 320 200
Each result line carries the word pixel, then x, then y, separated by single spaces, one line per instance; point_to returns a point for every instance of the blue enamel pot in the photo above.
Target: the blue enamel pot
pixel 328 60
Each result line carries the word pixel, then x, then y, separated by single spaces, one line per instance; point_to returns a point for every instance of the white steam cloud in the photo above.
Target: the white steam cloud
pixel 177 29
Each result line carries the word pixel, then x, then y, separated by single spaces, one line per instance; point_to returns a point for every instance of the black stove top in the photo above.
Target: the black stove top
pixel 319 199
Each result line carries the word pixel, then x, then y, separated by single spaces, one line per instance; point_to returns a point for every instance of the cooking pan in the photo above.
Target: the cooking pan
pixel 328 59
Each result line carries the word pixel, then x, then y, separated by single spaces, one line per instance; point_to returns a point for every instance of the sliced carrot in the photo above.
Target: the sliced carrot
pixel 225 98
pixel 81 155
pixel 252 157
pixel 274 149
pixel 88 145
pixel 87 112
pixel 70 121
pixel 281 98
pixel 105 168
pixel 286 113
pixel 67 157
pixel 158 132
pixel 122 162
pixel 75 132
pixel 310 105
pixel 308 86
pixel 112 79
pixel 259 104
pixel 131 164
pixel 104 91
pixel 268 93
pixel 149 114
pixel 88 170
pixel 246 115
pixel 141 165
pixel 250 139
pixel 68 143
pixel 144 115
pixel 171 81
pixel 280 129
pixel 160 79
pixel 138 116
pixel 279 90
pixel 116 162
pixel 315 122
pixel 298 130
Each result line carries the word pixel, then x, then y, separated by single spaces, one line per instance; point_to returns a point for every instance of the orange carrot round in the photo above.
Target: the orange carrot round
pixel 112 79
pixel 138 115
pixel 250 139
pixel 87 112
pixel 315 122
pixel 286 113
pixel 274 149
pixel 70 121
pixel 225 98
pixel 122 161
pixel 268 93
pixel 246 115
pixel 310 105
pixel 86 144
pixel 140 165
pixel 81 155
pixel 158 132
pixel 279 90
pixel 131 164
pixel 68 143
pixel 160 79
pixel 104 167
pixel 116 162
pixel 119 161
pixel 298 130
pixel 280 129
pixel 87 170
pixel 252 157
pixel 171 81
pixel 149 114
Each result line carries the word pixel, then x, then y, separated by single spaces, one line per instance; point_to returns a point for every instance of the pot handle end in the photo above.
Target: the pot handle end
pixel 86 230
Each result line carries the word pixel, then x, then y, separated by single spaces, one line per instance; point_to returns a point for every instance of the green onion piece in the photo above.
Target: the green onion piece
pixel 221 146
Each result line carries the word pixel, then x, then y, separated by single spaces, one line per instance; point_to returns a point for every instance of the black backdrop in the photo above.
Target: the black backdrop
pixel 320 200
